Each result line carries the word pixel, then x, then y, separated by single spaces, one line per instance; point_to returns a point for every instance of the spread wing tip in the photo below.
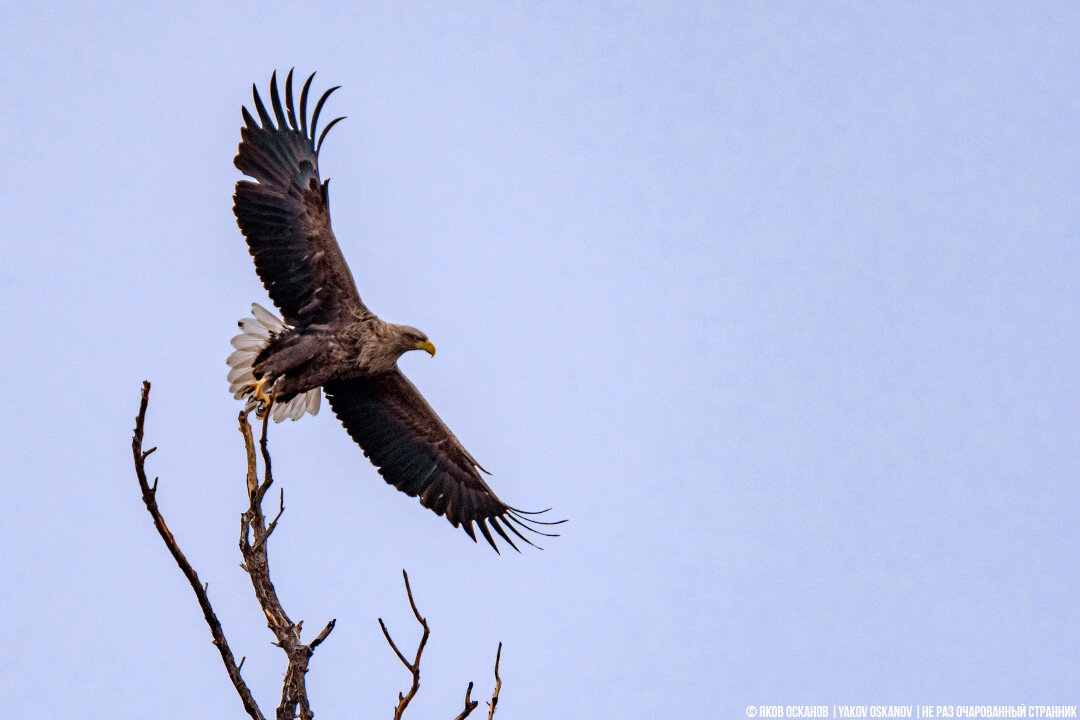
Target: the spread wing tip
pixel 288 116
pixel 512 519
pixel 519 516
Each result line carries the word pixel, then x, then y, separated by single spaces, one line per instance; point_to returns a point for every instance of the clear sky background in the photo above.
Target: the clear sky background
pixel 779 303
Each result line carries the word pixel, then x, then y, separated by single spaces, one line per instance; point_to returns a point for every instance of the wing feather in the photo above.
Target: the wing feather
pixel 415 452
pixel 284 213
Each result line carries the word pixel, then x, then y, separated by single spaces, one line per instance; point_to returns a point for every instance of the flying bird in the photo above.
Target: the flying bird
pixel 327 340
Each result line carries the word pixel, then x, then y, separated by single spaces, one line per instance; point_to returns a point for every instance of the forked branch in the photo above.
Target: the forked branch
pixel 414 666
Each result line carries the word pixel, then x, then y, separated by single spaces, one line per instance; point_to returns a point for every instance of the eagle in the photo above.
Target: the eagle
pixel 327 340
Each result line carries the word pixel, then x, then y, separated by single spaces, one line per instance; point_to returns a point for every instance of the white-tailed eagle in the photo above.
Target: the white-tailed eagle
pixel 327 338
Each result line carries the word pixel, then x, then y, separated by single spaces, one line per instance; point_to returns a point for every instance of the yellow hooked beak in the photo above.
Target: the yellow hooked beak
pixel 426 346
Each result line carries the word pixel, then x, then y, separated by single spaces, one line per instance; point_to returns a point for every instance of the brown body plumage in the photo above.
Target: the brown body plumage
pixel 328 339
pixel 295 361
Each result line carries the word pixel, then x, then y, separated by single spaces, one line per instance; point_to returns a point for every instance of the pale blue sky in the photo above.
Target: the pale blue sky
pixel 778 303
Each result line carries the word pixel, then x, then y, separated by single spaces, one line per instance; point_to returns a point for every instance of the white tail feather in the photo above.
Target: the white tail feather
pixel 278 412
pixel 241 357
pixel 255 329
pixel 246 342
pixel 294 409
pixel 268 319
pixel 242 373
pixel 255 334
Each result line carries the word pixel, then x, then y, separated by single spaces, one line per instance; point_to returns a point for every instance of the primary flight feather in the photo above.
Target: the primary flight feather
pixel 327 338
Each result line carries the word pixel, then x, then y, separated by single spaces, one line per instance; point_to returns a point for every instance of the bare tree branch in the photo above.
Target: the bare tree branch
pixel 253 535
pixel 149 498
pixel 294 701
pixel 498 685
pixel 254 532
pixel 414 666
pixel 470 704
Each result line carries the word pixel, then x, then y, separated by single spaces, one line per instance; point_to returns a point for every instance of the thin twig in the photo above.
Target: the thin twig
pixel 470 704
pixel 498 685
pixel 386 634
pixel 150 500
pixel 414 666
pixel 323 635
pixel 412 603
pixel 273 523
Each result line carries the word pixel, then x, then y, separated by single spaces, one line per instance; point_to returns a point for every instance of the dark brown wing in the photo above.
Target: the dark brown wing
pixel 416 453
pixel 285 214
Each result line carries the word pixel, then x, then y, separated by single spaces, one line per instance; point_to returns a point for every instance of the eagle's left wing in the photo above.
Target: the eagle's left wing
pixel 416 453
pixel 285 215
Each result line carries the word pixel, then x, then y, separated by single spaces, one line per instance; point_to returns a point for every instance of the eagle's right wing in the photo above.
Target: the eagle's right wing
pixel 285 216
pixel 416 453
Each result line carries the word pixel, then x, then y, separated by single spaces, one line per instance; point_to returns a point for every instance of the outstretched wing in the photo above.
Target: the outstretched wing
pixel 416 453
pixel 285 216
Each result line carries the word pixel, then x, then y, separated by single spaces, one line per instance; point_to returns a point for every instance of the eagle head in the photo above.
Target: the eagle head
pixel 409 338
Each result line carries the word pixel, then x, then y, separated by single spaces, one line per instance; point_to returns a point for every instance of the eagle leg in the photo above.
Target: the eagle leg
pixel 262 398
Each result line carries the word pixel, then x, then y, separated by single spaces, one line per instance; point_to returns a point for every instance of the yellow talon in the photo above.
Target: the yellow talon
pixel 258 394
